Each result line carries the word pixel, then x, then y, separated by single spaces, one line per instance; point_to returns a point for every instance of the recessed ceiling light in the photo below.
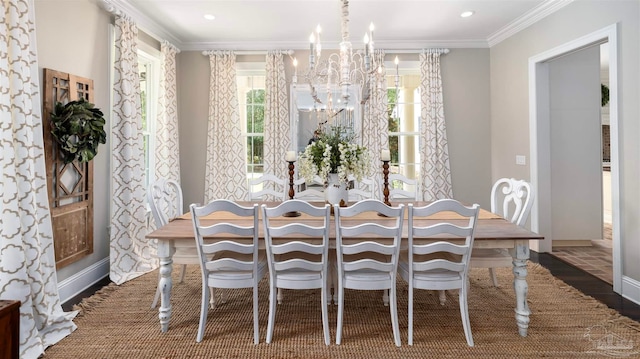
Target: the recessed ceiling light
pixel 467 14
pixel 209 17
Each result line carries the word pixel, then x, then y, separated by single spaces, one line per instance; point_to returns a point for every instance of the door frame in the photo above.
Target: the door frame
pixel 540 139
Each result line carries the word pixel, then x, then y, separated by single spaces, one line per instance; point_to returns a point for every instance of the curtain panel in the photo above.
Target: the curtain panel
pixel 28 267
pixel 435 173
pixel 167 151
pixel 131 255
pixel 225 169
pixel 375 125
pixel 277 129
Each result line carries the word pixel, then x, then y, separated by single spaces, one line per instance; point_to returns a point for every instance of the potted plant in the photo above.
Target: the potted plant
pixel 334 156
pixel 78 128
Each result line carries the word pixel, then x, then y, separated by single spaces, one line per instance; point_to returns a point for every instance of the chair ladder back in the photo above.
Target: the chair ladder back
pixel 512 199
pixel 165 200
pixel 271 188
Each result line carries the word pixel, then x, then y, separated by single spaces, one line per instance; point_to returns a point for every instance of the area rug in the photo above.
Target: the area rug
pixel 117 322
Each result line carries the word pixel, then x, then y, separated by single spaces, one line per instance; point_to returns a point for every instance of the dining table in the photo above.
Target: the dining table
pixel 492 231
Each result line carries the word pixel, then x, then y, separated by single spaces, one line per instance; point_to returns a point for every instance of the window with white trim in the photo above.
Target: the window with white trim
pixel 251 96
pixel 149 71
pixel 404 120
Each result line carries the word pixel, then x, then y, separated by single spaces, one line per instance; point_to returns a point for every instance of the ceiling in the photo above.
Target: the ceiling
pixel 282 24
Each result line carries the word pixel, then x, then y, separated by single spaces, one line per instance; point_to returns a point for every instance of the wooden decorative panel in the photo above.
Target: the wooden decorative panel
pixel 70 185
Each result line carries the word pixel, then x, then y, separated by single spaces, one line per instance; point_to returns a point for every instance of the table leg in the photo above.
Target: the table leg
pixel 165 254
pixel 520 258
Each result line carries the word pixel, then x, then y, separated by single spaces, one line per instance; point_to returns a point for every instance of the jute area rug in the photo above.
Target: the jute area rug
pixel 117 322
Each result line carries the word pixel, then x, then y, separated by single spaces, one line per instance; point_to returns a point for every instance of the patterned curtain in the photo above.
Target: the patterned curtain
pixel 131 254
pixel 375 126
pixel 435 173
pixel 167 153
pixel 277 129
pixel 226 164
pixel 27 259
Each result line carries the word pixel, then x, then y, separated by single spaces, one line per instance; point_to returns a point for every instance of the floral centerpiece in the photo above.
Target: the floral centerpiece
pixel 334 152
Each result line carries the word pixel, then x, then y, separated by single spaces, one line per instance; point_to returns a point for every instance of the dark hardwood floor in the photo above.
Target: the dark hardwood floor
pixel 579 279
pixel 587 284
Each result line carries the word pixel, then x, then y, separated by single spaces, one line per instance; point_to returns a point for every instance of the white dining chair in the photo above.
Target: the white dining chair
pixel 440 265
pixel 267 187
pixel 309 191
pixel 229 263
pixel 363 189
pixel 165 200
pixel 403 188
pixel 368 264
pixel 294 261
pixel 511 199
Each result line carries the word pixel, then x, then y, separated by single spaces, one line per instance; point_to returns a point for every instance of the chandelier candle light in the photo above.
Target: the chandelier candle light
pixel 341 71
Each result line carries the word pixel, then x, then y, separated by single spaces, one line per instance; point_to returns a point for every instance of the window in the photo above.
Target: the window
pixel 251 97
pixel 149 71
pixel 404 118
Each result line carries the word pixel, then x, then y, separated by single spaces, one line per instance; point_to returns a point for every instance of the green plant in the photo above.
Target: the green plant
pixel 78 128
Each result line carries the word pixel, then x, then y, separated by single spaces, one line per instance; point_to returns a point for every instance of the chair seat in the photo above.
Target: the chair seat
pixel 298 279
pixel 367 280
pixel 230 274
pixel 439 275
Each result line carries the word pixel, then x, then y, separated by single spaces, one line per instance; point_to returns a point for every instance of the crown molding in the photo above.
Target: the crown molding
pixel 304 45
pixel 144 23
pixel 536 14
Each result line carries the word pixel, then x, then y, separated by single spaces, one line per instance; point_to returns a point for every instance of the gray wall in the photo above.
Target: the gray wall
pixel 72 36
pixel 509 98
pixel 466 100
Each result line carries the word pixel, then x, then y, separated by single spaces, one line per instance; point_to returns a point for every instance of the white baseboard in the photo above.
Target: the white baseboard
pixel 82 280
pixel 631 289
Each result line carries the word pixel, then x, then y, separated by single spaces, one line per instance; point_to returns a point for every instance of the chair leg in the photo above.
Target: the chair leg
pixel 156 296
pixel 256 327
pixel 464 314
pixel 223 295
pixel 204 308
pixel 492 274
pixel 394 316
pixel 333 279
pixel 184 270
pixel 410 321
pixel 325 315
pixel 212 298
pixel 272 312
pixel 280 295
pixel 385 297
pixel 340 312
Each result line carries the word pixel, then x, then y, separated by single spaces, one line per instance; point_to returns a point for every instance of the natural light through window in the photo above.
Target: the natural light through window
pixel 251 97
pixel 404 117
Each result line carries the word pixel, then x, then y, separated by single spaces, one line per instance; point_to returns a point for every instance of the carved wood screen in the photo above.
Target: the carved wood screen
pixel 70 185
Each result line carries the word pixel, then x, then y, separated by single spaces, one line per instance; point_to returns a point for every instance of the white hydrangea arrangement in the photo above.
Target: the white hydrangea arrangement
pixel 334 152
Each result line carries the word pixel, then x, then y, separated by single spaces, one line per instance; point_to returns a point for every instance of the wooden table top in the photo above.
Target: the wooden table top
pixel 489 227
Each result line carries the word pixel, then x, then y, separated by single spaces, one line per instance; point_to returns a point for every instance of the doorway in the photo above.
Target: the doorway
pixel 542 155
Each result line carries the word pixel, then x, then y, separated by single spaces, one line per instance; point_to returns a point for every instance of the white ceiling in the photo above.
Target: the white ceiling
pixel 269 24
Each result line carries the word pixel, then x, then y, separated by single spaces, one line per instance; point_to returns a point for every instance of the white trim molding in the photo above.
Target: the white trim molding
pixel 536 14
pixel 144 23
pixel 631 289
pixel 82 280
pixel 539 142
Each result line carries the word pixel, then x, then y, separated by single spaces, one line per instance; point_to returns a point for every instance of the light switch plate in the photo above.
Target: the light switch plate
pixel 521 160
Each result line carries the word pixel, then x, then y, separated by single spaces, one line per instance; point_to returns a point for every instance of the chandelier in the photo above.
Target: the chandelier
pixel 342 74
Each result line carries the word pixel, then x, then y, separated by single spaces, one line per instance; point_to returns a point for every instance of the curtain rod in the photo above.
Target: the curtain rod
pixel 246 52
pixel 417 51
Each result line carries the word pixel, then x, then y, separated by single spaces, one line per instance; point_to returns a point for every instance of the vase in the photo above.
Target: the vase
pixel 336 191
